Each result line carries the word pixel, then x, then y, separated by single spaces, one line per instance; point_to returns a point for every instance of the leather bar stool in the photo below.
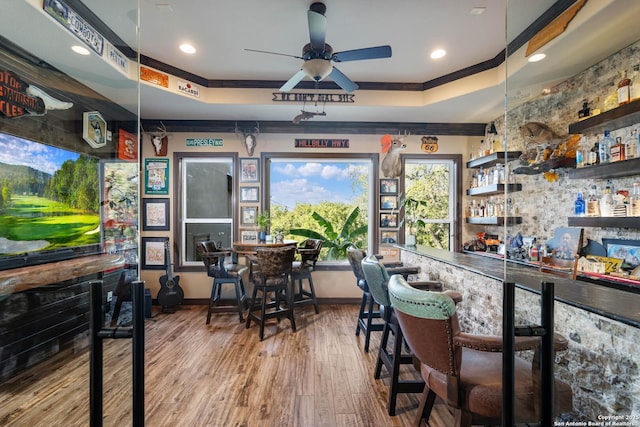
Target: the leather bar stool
pixel 272 276
pixel 222 273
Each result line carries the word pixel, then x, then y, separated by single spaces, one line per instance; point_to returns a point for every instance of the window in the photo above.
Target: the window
pixel 205 210
pixel 435 180
pixel 330 186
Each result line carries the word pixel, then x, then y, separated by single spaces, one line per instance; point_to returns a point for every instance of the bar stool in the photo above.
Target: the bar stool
pixel 223 273
pixel 367 312
pixel 309 251
pixel 377 280
pixel 272 275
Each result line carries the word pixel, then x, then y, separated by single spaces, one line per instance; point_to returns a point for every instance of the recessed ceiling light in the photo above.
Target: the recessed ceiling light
pixel 537 57
pixel 80 50
pixel 438 53
pixel 478 10
pixel 187 48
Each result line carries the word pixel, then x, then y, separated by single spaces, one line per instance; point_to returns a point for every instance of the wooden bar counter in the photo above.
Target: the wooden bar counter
pixel 601 323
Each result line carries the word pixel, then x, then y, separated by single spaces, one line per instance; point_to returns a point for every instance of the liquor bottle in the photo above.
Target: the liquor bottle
pixel 579 207
pixel 593 204
pixel 631 143
pixel 634 90
pixel 584 113
pixel 618 151
pixel 634 200
pixel 582 153
pixel 594 156
pixel 604 147
pixel 606 202
pixel 624 86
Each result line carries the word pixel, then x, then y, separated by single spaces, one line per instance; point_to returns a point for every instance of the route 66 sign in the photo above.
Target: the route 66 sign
pixel 429 144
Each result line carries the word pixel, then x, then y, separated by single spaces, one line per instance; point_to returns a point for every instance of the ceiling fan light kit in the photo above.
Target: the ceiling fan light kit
pixel 318 55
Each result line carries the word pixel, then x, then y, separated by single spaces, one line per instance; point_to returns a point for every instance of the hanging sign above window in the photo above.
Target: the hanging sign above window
pixel 313 97
pixel 322 143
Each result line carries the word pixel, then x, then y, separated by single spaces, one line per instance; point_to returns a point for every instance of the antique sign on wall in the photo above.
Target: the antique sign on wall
pixel 94 129
pixel 75 24
pixel 14 99
pixel 155 77
pixel 321 143
pixel 204 142
pixel 127 146
pixel 313 97
pixel 429 144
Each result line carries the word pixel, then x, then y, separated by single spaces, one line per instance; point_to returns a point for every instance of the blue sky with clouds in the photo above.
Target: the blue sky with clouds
pixel 295 182
pixel 18 151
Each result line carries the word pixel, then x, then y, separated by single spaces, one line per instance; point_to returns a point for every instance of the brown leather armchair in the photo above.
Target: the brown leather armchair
pixel 465 370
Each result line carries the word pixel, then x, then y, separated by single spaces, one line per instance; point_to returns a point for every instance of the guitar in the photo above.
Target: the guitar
pixel 170 294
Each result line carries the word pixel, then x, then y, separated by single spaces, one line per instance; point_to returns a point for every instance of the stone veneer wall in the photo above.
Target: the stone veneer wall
pixel 602 363
pixel 543 205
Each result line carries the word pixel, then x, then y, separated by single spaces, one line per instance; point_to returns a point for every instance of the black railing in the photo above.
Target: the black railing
pixel 510 331
pixel 98 334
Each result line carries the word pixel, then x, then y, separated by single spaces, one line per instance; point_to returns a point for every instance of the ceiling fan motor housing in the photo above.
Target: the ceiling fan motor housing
pixel 309 53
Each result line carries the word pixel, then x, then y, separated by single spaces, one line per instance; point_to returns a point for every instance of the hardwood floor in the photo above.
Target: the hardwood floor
pixel 222 375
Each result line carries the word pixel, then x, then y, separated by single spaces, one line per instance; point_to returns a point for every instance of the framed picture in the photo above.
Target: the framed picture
pixel 388 237
pixel 388 186
pixel 156 176
pixel 155 214
pixel 249 236
pixel 249 170
pixel 153 253
pixel 249 215
pixel 388 220
pixel 388 202
pixel 94 129
pixel 249 194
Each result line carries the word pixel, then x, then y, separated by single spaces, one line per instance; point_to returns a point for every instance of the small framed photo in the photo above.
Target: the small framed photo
pixel 388 237
pixel 249 194
pixel 388 186
pixel 156 176
pixel 249 170
pixel 249 215
pixel 154 253
pixel 388 220
pixel 155 214
pixel 388 202
pixel 249 236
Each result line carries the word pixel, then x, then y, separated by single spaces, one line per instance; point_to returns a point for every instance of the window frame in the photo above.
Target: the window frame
pixel 455 189
pixel 178 203
pixel 373 238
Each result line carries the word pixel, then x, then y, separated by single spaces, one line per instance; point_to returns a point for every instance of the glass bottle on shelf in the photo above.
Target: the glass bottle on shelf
pixel 593 204
pixel 631 143
pixel 624 86
pixel 594 157
pixel 579 207
pixel 617 151
pixel 582 153
pixel 606 202
pixel 604 147
pixel 634 90
pixel 634 202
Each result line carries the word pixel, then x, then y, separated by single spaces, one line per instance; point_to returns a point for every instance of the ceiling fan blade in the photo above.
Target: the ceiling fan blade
pixel 343 81
pixel 364 53
pixel 293 81
pixel 317 30
pixel 275 53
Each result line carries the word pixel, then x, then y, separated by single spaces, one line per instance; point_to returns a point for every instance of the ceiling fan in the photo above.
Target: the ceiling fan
pixel 318 55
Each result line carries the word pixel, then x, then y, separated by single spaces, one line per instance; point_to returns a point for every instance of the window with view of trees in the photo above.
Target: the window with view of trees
pixel 435 182
pixel 322 197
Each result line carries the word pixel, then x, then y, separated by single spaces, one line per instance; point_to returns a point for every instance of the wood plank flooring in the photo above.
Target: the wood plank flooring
pixel 222 375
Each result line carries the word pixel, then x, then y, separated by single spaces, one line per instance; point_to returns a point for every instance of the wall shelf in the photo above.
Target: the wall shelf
pixel 604 221
pixel 494 220
pixel 622 116
pixel 608 170
pixel 499 157
pixel 493 189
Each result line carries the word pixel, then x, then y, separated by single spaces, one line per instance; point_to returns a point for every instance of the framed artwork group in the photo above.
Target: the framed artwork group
pixel 388 211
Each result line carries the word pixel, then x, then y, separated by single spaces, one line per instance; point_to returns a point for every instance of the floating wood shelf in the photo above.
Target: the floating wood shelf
pixel 622 116
pixel 499 157
pixel 604 221
pixel 608 170
pixel 494 220
pixel 493 189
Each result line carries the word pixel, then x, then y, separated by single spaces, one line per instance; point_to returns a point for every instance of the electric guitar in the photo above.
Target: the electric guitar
pixel 170 294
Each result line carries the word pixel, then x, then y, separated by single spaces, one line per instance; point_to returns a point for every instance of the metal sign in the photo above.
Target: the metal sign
pixel 204 142
pixel 313 97
pixel 75 23
pixel 322 143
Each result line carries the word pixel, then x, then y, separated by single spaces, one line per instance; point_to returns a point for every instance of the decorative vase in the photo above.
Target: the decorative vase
pixel 262 236
pixel 279 238
pixel 411 240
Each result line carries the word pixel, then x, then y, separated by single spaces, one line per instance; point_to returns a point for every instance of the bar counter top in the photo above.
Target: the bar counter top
pixel 616 304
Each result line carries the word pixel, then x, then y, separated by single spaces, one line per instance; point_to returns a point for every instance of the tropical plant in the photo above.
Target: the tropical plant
pixel 264 220
pixel 335 241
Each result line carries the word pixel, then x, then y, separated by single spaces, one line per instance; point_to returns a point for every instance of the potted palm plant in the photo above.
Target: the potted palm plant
pixel 264 221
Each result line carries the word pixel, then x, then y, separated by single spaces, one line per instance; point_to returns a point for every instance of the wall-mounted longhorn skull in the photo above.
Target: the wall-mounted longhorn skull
pixel 249 138
pixel 159 140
